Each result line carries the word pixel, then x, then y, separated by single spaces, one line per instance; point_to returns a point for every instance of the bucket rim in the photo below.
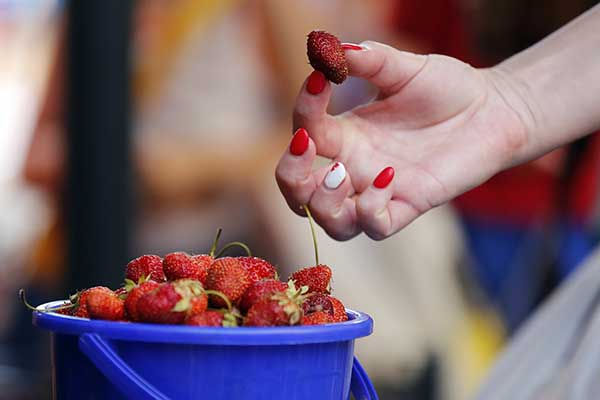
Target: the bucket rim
pixel 358 325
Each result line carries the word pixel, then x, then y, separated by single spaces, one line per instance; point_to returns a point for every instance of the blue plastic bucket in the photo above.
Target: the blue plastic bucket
pixel 93 359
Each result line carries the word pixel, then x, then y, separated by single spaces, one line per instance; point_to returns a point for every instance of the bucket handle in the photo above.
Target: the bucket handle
pixel 103 355
pixel 360 384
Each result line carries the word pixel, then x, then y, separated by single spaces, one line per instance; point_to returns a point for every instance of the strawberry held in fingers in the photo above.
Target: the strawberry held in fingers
pixel 326 54
pixel 148 266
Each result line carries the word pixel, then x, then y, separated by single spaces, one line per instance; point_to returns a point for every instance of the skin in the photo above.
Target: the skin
pixel 444 126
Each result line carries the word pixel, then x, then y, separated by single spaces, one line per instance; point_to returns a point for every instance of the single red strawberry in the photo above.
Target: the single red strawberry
pixel 338 313
pixel 103 303
pixel 259 291
pixel 317 318
pixel 135 294
pixel 172 302
pixel 326 54
pixel 316 302
pixel 207 318
pixel 258 268
pixel 228 276
pixel 180 265
pixel 145 266
pixel 282 308
pixel 202 262
pixel 317 278
pixel 319 302
pixel 79 299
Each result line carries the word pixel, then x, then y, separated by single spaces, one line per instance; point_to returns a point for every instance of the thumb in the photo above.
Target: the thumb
pixel 382 65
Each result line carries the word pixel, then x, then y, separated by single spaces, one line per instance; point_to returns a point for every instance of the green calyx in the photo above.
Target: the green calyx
pixel 291 301
pixel 229 320
pixel 187 289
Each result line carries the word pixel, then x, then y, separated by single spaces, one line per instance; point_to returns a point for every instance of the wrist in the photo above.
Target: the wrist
pixel 518 114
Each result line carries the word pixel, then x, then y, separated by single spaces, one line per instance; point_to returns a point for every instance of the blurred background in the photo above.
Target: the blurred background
pixel 140 127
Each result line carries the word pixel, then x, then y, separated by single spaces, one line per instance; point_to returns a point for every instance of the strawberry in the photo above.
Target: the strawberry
pixel 282 308
pixel 317 278
pixel 228 276
pixel 319 302
pixel 79 299
pixel 103 303
pixel 339 311
pixel 180 265
pixel 325 54
pixel 172 302
pixel 213 318
pixel 317 318
pixel 202 262
pixel 258 268
pixel 207 318
pixel 261 290
pixel 145 266
pixel 135 294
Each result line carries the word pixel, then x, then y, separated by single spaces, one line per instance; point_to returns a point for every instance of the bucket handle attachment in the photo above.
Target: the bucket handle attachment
pixel 360 384
pixel 103 355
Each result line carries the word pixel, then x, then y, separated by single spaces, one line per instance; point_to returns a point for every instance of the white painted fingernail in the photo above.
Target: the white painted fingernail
pixel 335 176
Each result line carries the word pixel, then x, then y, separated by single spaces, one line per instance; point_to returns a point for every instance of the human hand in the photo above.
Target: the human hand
pixel 442 126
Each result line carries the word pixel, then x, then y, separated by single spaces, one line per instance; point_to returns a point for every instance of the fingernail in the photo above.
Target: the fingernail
pixel 351 46
pixel 384 178
pixel 335 176
pixel 299 142
pixel 316 82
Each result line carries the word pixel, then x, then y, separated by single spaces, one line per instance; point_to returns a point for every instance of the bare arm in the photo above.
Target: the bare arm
pixel 557 83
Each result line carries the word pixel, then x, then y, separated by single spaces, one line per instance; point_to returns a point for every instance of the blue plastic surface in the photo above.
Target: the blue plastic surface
pixel 94 359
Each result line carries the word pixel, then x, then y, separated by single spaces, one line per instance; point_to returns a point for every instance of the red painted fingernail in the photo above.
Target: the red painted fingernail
pixel 316 82
pixel 299 142
pixel 351 46
pixel 384 178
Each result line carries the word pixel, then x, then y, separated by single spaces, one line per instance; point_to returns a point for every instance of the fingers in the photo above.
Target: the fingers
pixel 310 113
pixel 294 174
pixel 385 67
pixel 377 214
pixel 331 205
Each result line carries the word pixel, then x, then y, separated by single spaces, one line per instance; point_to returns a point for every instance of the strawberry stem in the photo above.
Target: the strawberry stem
pixel 215 242
pixel 222 296
pixel 233 244
pixel 32 308
pixel 312 231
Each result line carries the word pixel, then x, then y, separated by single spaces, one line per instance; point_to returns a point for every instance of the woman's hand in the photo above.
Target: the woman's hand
pixel 441 125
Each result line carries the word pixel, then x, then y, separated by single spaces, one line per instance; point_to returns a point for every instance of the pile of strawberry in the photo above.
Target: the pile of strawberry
pixel 205 290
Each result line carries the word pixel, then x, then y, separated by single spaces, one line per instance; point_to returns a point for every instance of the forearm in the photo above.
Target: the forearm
pixel 556 84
